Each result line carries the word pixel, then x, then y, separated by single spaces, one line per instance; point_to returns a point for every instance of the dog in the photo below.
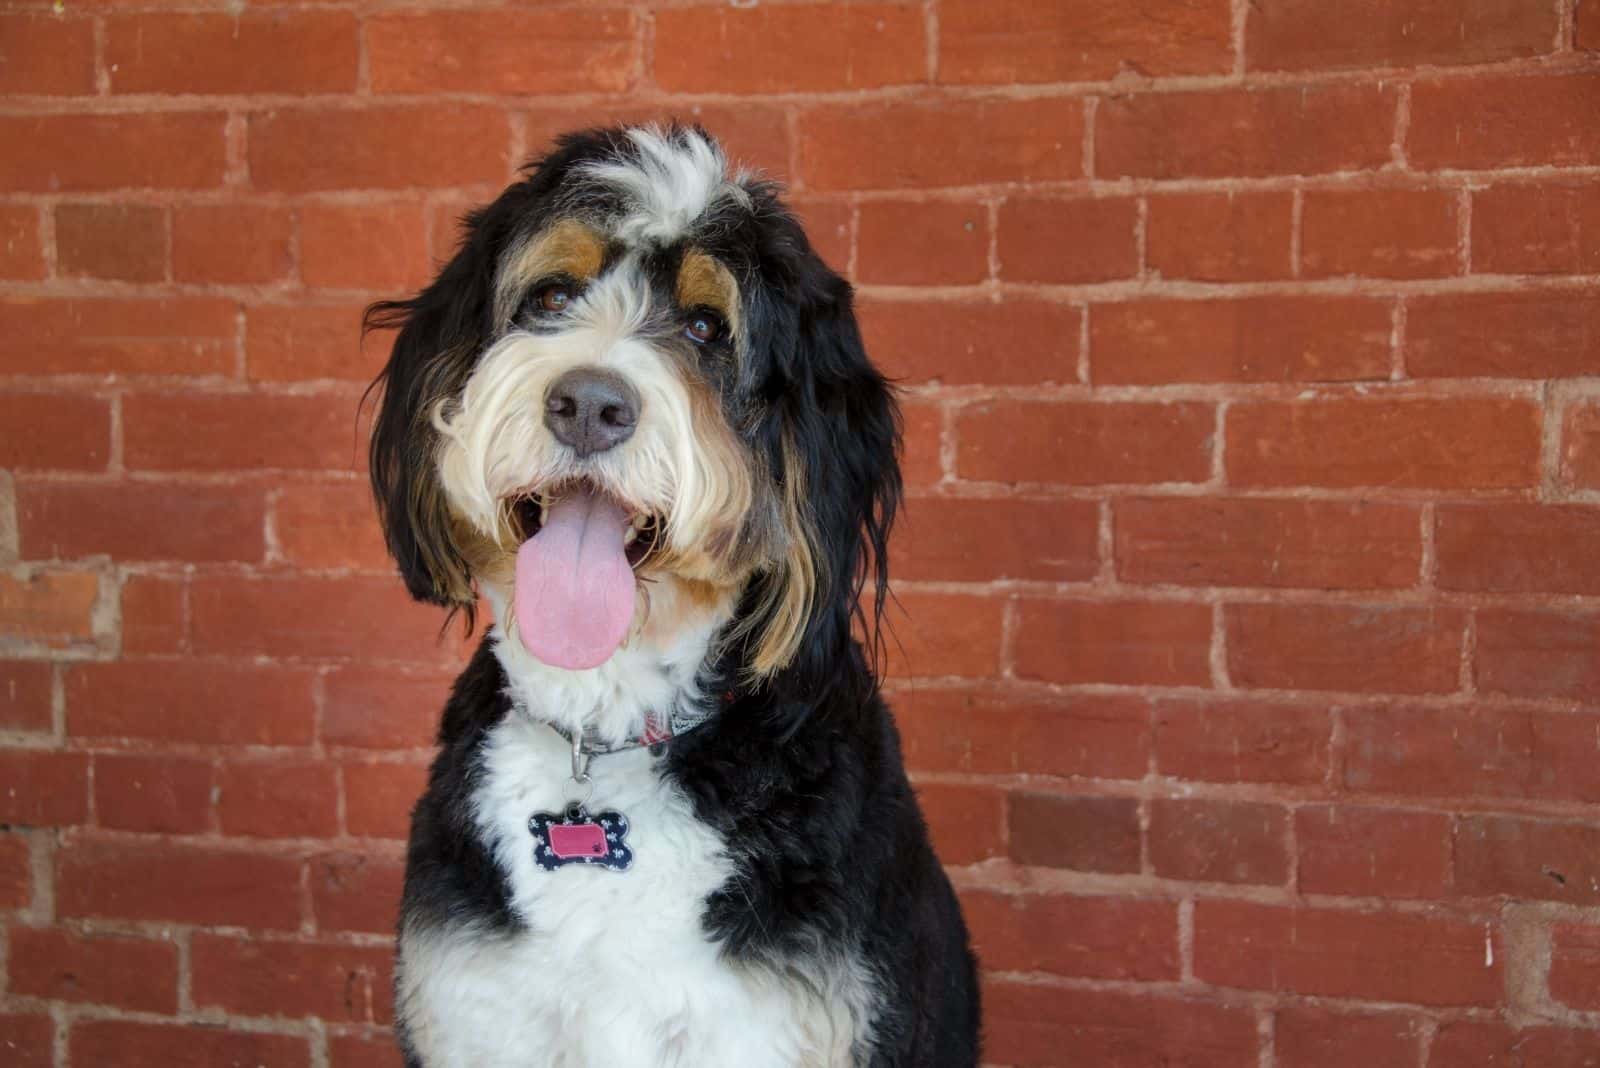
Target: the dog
pixel 668 822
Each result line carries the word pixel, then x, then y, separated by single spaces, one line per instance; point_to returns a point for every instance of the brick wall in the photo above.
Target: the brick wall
pixel 1252 673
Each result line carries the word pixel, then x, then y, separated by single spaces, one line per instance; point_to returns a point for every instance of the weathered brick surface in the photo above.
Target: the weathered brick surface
pixel 1245 654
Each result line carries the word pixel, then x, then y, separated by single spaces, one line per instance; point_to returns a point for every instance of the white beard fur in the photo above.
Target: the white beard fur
pixel 613 969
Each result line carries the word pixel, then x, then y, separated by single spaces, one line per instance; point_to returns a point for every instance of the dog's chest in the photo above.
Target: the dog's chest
pixel 613 967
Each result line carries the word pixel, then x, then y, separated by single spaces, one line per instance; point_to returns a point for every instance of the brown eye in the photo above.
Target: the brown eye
pixel 554 298
pixel 703 326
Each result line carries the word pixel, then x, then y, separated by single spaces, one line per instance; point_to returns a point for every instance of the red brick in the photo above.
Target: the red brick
pixel 1520 548
pixel 1306 1037
pixel 278 799
pixel 824 48
pixel 1538 653
pixel 1255 339
pixel 168 882
pixel 43 788
pixel 1096 937
pixel 84 153
pixel 241 243
pixel 967 822
pixel 1505 121
pixel 1393 442
pixel 1580 447
pixel 1381 956
pixel 378 798
pixel 1015 41
pixel 959 539
pixel 1219 237
pixel 990 732
pixel 55 431
pixel 1531 334
pixel 242 431
pixel 1475 1044
pixel 154 619
pixel 1132 643
pixel 353 892
pixel 329 525
pixel 1587 30
pixel 140 520
pixel 923 242
pixel 125 242
pixel 1035 1026
pixel 379 246
pixel 312 52
pixel 341 983
pixel 295 150
pixel 190 701
pixel 1068 241
pixel 1247 133
pixel 21 248
pixel 749 131
pixel 363 1051
pixel 509 51
pixel 1526 858
pixel 129 973
pixel 1239 741
pixel 16 880
pixel 1372 852
pixel 1383 233
pixel 920 461
pixel 1575 966
pixel 25 695
pixel 314 617
pixel 828 227
pixel 1471 752
pixel 166 335
pixel 1220 841
pixel 1522 228
pixel 290 343
pixel 53 609
pixel 954 343
pixel 46 55
pixel 182 1045
pixel 1368 648
pixel 1082 833
pixel 29 1040
pixel 1259 542
pixel 1085 443
pixel 153 794
pixel 381 708
pixel 937 634
pixel 904 145
pixel 1304 34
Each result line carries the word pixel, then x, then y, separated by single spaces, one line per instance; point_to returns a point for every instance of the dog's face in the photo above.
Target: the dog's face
pixel 635 396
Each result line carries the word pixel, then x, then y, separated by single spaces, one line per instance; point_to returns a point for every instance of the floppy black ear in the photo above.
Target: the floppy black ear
pixel 442 331
pixel 832 437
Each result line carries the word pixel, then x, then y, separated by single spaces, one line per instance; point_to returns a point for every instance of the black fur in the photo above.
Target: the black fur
pixel 801 774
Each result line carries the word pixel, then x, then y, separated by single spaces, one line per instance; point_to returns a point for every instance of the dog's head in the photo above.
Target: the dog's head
pixel 634 399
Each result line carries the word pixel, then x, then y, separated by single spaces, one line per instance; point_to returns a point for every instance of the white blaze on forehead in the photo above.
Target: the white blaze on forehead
pixel 675 179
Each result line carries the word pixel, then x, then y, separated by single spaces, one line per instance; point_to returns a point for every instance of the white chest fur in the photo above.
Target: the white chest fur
pixel 613 968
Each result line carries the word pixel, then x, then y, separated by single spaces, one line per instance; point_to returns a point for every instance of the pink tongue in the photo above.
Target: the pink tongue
pixel 574 595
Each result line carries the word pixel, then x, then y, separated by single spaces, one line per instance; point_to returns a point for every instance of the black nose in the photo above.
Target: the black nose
pixel 591 410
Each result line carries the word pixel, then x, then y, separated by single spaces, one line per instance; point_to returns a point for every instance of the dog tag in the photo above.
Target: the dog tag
pixel 578 837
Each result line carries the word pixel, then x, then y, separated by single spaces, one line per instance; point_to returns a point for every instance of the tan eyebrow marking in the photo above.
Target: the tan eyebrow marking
pixel 568 247
pixel 703 281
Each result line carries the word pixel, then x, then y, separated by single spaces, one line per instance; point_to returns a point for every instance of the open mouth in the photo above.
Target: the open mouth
pixel 638 542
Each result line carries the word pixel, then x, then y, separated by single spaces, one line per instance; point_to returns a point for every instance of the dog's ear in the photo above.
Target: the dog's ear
pixel 441 331
pixel 832 436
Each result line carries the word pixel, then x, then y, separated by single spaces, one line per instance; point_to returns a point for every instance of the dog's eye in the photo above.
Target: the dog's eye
pixel 553 298
pixel 703 326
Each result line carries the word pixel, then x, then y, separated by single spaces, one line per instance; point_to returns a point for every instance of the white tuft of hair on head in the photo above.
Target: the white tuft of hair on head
pixel 677 177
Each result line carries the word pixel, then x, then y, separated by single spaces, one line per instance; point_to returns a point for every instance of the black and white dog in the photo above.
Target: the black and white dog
pixel 668 823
